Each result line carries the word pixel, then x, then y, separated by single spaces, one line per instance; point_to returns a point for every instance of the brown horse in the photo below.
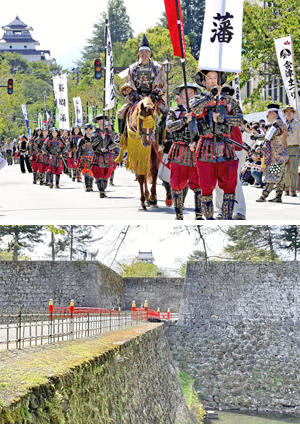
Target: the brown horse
pixel 139 140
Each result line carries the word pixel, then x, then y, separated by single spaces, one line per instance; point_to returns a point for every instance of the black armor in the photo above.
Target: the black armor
pixel 107 142
pixel 213 146
pixel 179 132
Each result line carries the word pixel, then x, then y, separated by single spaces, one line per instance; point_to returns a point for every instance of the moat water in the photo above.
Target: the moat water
pixel 232 418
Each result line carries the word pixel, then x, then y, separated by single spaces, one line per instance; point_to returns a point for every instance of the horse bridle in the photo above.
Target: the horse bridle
pixel 146 125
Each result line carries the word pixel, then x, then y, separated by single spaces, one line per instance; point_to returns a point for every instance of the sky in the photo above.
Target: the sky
pixel 170 247
pixel 63 26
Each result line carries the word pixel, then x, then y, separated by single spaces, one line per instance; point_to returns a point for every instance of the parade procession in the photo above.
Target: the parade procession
pixel 203 135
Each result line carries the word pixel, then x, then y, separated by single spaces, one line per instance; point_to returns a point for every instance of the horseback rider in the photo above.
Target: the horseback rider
pixel 145 78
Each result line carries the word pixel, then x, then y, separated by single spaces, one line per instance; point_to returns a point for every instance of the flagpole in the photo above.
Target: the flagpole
pixel 182 55
pixel 183 69
pixel 295 78
pixel 105 70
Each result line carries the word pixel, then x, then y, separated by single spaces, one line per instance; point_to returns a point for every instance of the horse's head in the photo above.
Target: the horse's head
pixel 146 120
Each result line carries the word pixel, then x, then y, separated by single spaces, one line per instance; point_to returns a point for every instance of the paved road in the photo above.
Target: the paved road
pixel 23 202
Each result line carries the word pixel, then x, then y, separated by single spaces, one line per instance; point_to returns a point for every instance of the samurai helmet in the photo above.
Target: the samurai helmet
pixel 200 78
pixel 181 87
pixel 144 44
pixel 101 117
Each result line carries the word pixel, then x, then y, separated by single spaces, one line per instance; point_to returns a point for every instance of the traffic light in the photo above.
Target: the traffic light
pixel 98 69
pixel 10 86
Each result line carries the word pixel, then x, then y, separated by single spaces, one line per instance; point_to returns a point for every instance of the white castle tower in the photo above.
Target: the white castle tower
pixel 18 39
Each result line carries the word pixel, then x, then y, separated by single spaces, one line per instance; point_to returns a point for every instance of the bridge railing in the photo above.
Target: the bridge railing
pixel 25 329
pixel 146 314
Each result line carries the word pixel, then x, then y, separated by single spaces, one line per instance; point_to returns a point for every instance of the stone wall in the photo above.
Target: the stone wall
pixel 238 335
pixel 32 284
pixel 161 293
pixel 123 378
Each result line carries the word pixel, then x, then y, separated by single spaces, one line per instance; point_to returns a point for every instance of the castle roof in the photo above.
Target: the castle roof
pixel 28 52
pixel 17 33
pixel 16 24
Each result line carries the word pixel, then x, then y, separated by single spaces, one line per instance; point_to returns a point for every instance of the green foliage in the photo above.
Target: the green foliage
pixel 258 243
pixel 120 29
pixel 193 18
pixel 261 25
pixel 192 401
pixel 55 230
pixel 290 239
pixel 77 241
pixel 31 82
pixel 141 269
pixel 21 237
pixel 161 47
pixel 197 255
pixel 254 103
pixel 7 255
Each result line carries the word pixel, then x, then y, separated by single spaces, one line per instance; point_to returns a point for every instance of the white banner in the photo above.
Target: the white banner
pixel 285 58
pixel 40 120
pixel 109 74
pixel 60 87
pixel 221 46
pixel 237 90
pixel 24 110
pixel 78 111
pixel 55 82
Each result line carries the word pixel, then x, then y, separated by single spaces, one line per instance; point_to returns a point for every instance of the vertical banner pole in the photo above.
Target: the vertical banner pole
pixel 295 78
pixel 105 65
pixel 182 55
pixel 183 68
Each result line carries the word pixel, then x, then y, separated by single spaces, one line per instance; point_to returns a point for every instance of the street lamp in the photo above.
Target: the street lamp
pixel 167 65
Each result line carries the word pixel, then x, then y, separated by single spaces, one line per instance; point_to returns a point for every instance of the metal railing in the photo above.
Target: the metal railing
pixel 25 329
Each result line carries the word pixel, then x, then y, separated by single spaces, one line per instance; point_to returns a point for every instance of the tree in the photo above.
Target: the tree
pixel 31 82
pixel 260 26
pixel 21 237
pixel 197 255
pixel 53 232
pixel 78 239
pixel 141 269
pixel 163 20
pixel 193 19
pixel 290 239
pixel 253 243
pixel 120 29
